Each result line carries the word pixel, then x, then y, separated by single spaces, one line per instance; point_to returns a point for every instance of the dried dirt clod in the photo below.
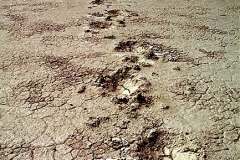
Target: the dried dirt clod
pixel 121 99
pixel 137 68
pixel 108 18
pixel 151 55
pixel 16 17
pixel 177 68
pixel 97 14
pixel 81 89
pixel 150 145
pixel 88 31
pixel 135 106
pixel 165 107
pixel 125 46
pixel 118 143
pixel 146 64
pixel 99 25
pixel 41 27
pixel 111 80
pixel 95 122
pixel 123 124
pixel 134 14
pixel 98 2
pixel 110 37
pixel 121 23
pixel 131 59
pixel 143 99
pixel 113 13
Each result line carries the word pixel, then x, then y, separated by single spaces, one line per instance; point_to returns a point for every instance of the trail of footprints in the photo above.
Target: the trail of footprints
pixel 126 90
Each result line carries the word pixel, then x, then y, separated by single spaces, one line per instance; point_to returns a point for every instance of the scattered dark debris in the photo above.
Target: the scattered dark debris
pixel 154 51
pixel 151 142
pixel 213 54
pixel 132 59
pixel 123 124
pixel 56 62
pixel 97 14
pixel 114 13
pixel 149 139
pixel 165 107
pixel 95 32
pixel 143 99
pixel 133 114
pixel 16 17
pixel 117 143
pixel 120 100
pixel 121 23
pixel 134 106
pixel 167 53
pixel 95 122
pixel 208 29
pixel 91 31
pixel 150 55
pixel 177 68
pixel 75 23
pixel 146 64
pixel 105 94
pixel 137 68
pixel 109 18
pixel 100 25
pixel 92 38
pixel 154 73
pixel 132 13
pixel 47 26
pixel 153 36
pixel 176 56
pixel 82 89
pixel 110 37
pixel 127 46
pixel 88 31
pixel 111 81
pixel 98 2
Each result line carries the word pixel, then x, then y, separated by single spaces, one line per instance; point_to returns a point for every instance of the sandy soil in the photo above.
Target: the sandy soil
pixel 120 79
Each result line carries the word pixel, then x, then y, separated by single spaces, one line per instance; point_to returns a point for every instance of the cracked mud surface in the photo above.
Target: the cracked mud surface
pixel 155 80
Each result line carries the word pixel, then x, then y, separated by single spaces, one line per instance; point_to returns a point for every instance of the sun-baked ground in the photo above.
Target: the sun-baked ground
pixel 111 79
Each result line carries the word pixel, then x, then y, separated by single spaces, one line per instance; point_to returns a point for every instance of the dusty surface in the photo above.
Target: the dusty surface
pixel 113 79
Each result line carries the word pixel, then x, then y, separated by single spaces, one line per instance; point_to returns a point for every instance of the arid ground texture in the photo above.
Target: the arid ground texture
pixel 120 80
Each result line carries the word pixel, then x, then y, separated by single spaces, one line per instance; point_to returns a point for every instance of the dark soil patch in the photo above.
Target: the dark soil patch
pixel 39 28
pixel 114 13
pixel 110 37
pixel 98 2
pixel 150 146
pixel 131 59
pixel 16 17
pixel 95 122
pixel 125 46
pixel 111 81
pixel 97 14
pixel 99 25
pixel 213 54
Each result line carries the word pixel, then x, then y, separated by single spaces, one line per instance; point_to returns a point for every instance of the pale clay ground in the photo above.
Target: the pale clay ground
pixel 120 79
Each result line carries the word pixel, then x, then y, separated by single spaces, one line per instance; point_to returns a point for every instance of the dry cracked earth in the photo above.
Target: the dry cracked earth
pixel 112 79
